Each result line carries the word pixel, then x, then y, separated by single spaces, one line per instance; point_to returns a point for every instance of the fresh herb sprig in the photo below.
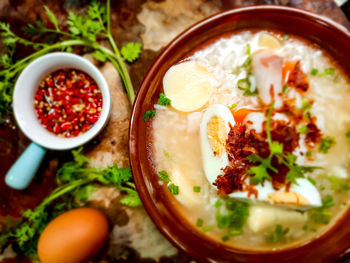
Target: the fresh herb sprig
pixel 82 30
pixel 261 171
pixel 76 182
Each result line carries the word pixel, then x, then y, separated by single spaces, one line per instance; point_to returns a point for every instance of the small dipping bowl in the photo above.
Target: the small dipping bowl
pixel 22 172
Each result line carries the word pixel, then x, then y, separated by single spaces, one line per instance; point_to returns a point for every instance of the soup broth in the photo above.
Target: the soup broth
pixel 307 116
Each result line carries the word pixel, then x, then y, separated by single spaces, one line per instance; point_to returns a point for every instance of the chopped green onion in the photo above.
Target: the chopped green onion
pixel 303 129
pixel 206 229
pixel 326 144
pixel 328 72
pixel 347 134
pixel 199 222
pixel 305 106
pixel 225 238
pixel 286 37
pixel 174 189
pixel 314 71
pixel 163 176
pixel 285 89
pixel 232 106
pixel 311 180
pixel 218 204
pixel 249 50
pixel 148 114
pixel 196 189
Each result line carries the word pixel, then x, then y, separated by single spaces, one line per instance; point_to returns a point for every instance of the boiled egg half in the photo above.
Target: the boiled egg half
pixel 214 129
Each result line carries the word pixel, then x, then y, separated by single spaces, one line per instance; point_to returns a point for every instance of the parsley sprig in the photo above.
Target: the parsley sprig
pixel 76 182
pixel 85 30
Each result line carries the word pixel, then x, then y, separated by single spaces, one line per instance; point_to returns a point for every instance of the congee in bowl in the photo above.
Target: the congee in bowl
pixel 251 138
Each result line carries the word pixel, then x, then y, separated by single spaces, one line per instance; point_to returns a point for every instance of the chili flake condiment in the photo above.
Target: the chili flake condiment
pixel 68 102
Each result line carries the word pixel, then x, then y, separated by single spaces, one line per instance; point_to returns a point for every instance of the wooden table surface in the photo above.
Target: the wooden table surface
pixel 154 23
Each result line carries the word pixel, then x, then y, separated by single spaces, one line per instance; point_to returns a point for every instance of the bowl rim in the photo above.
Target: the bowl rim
pixel 28 82
pixel 140 183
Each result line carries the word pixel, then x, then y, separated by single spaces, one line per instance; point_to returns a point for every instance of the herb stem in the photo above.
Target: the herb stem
pixel 63 190
pixel 268 122
pixel 108 17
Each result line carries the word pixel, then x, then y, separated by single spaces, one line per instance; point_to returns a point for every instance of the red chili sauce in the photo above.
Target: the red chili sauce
pixel 68 102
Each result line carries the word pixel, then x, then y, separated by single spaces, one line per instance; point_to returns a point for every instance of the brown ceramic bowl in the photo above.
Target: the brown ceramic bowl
pixel 327 34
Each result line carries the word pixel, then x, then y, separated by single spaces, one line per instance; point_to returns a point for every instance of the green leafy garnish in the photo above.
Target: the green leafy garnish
pixel 163 100
pixel 311 180
pixel 232 106
pixel 84 30
pixel 206 229
pixel 314 71
pixel 328 72
pixel 326 143
pixel 338 184
pixel 347 134
pixel 249 51
pixel 278 235
pixel 285 89
pixel 246 84
pixel 148 114
pixel 76 182
pixel 199 222
pixel 131 51
pixel 196 189
pixel 261 171
pixel 232 216
pixel 225 238
pixel 218 204
pixel 304 129
pixel 164 177
pixel 305 106
pixel 174 189
pixel 322 215
pixel 286 37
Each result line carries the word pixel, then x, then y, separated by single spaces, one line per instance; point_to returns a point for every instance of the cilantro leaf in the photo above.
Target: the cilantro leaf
pixel 260 174
pixel 131 51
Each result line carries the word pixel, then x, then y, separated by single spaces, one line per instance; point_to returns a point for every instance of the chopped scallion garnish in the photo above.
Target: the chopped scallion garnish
pixel 196 189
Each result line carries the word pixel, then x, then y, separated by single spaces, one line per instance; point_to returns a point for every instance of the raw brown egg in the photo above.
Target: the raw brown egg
pixel 73 237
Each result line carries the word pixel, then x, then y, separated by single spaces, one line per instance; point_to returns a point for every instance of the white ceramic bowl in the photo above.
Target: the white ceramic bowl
pixel 26 86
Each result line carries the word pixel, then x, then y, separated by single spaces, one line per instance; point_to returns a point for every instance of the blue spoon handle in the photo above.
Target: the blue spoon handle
pixel 23 170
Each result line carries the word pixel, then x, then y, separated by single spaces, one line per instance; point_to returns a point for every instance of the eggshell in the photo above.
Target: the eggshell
pixel 73 237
